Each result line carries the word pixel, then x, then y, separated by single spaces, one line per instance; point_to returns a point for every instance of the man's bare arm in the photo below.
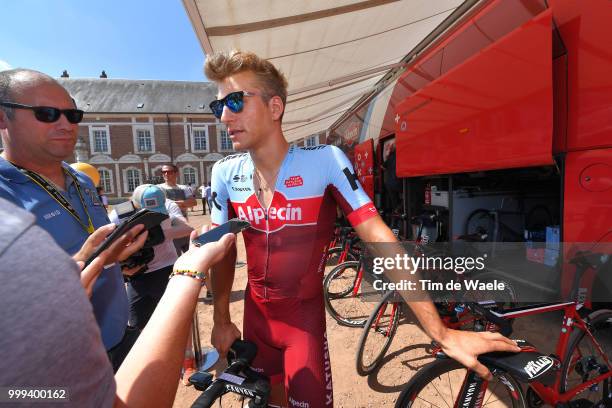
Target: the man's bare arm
pixel 149 375
pixel 186 203
pixel 224 332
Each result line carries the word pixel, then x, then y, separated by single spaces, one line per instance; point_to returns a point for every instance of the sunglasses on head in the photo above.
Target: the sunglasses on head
pixel 48 114
pixel 234 101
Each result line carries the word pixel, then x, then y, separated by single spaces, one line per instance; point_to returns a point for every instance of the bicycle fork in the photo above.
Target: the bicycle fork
pixel 474 387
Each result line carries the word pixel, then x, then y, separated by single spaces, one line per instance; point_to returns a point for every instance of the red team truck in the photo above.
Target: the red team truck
pixel 500 131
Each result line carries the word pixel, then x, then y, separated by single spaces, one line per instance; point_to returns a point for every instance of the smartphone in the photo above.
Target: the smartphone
pixel 233 226
pixel 149 218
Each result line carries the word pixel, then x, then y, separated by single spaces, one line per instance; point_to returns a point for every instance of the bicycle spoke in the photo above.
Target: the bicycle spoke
pixel 430 403
pixel 450 385
pixel 491 394
pixel 436 388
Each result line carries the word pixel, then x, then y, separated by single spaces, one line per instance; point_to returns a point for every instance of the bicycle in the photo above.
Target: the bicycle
pixel 342 294
pixel 579 374
pixel 238 378
pixel 382 324
pixel 343 247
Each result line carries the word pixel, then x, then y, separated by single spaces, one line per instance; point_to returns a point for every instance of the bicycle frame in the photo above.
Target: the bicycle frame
pixel 571 319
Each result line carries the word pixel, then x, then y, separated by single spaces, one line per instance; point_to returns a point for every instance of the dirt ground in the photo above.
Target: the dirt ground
pixel 405 356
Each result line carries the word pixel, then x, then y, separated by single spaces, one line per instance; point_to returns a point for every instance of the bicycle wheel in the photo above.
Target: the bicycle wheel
pixel 334 256
pixel 438 383
pixel 583 361
pixel 343 298
pixel 479 223
pixel 377 334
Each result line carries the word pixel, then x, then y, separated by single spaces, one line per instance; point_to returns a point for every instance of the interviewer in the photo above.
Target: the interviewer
pixel 50 338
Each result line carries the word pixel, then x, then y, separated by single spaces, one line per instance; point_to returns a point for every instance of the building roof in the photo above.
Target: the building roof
pixel 140 96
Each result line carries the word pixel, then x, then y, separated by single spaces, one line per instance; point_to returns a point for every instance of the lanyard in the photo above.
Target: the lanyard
pixel 57 196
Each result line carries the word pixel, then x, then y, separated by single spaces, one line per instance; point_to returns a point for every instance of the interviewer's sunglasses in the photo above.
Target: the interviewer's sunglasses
pixel 234 101
pixel 49 114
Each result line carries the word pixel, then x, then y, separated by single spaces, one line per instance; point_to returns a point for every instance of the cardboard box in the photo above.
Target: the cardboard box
pixel 439 198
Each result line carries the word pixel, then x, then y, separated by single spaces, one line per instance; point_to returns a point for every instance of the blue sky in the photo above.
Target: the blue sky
pixel 133 39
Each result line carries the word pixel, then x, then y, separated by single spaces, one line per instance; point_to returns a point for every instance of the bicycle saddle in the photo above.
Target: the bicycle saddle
pixel 526 366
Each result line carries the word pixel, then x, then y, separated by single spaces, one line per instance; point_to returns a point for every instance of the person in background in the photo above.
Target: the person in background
pixel 103 198
pixel 202 195
pixel 181 195
pixel 147 285
pixel 208 194
pixel 43 297
pixel 39 125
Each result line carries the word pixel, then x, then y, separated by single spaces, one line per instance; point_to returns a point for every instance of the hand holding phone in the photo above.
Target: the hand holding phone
pixel 234 226
pixel 149 218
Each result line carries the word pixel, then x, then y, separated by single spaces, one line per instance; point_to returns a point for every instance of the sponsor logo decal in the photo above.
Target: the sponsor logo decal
pixel 282 212
pixel 329 395
pixel 52 214
pixel 299 404
pixel 241 188
pixel 352 179
pixel 239 390
pixel 294 181
pixel 537 367
pixel 214 200
pixel 239 178
pixel 319 147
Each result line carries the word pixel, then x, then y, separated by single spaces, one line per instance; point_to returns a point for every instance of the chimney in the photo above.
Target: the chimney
pixel 103 74
pixel 65 74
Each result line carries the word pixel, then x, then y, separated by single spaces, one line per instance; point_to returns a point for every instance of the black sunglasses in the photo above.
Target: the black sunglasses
pixel 234 101
pixel 49 114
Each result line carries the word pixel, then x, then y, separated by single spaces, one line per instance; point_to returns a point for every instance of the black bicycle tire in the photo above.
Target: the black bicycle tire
pixel 472 215
pixel 362 368
pixel 332 275
pixel 328 297
pixel 436 369
pixel 350 255
pixel 577 335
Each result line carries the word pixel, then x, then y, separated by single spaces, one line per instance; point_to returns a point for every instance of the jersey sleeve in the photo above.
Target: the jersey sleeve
pixel 346 189
pixel 219 195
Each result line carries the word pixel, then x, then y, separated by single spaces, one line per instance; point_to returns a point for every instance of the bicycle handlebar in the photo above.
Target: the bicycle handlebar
pixel 238 378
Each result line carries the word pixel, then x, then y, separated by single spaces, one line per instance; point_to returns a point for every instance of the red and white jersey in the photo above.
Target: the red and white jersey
pixel 287 241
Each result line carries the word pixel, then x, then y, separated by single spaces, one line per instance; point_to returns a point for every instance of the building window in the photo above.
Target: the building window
pixel 312 141
pixel 199 139
pixel 189 176
pixel 106 180
pixel 144 141
pixel 226 142
pixel 99 140
pixel 132 180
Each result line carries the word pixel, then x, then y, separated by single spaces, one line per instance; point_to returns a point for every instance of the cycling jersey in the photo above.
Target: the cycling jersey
pixel 285 249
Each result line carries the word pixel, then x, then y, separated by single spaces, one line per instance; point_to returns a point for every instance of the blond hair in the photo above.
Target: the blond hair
pixel 222 65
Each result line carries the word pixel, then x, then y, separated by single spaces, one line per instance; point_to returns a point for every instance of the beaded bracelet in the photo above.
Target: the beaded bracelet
pixel 193 274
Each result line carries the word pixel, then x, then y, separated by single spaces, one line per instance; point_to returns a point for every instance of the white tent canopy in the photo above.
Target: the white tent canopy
pixel 332 52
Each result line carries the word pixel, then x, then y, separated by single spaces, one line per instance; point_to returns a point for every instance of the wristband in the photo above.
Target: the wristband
pixel 193 274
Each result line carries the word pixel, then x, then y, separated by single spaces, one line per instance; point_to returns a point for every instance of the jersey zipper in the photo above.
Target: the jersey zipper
pixel 280 174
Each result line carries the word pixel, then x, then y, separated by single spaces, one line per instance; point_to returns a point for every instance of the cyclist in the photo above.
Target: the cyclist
pixel 289 195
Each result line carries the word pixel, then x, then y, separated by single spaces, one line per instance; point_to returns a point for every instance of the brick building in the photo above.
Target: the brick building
pixel 132 127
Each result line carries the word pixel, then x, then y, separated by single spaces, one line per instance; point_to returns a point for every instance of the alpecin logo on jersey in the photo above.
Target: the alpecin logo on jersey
pixel 282 212
pixel 294 181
